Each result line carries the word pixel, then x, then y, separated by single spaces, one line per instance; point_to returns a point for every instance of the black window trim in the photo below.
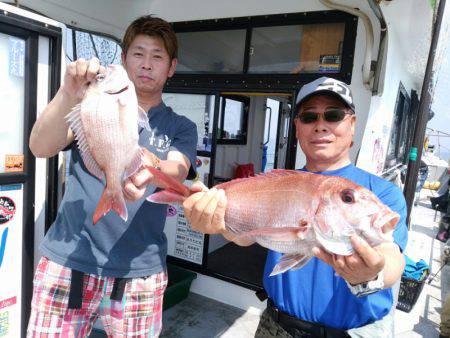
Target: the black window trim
pixel 246 102
pixel 266 81
pixel 393 160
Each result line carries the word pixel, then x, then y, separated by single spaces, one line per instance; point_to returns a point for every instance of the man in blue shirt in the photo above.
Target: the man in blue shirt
pixel 116 269
pixel 331 296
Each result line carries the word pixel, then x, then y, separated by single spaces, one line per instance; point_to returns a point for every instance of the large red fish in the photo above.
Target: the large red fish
pixel 105 125
pixel 292 211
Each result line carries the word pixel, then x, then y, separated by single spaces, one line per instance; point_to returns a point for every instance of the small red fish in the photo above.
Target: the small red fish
pixel 293 211
pixel 105 125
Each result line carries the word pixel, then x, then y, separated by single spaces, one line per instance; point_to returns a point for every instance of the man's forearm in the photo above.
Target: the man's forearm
pixel 50 132
pixel 175 169
pixel 394 263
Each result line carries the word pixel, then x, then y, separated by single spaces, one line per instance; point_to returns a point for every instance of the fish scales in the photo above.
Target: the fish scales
pixel 294 211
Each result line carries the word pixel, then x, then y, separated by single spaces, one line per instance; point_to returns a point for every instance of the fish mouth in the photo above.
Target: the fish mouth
pixel 117 92
pixel 387 222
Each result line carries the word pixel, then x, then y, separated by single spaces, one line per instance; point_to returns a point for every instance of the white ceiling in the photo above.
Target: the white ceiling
pixel 405 18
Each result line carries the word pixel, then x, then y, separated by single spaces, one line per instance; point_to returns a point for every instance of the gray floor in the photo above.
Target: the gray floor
pixel 202 317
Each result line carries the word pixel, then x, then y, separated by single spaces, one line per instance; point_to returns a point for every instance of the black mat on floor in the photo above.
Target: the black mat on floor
pixel 243 263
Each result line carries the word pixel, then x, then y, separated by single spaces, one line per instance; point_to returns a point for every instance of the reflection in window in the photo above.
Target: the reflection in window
pixel 233 118
pixel 401 124
pixel 12 91
pixel 211 51
pixel 197 108
pixel 297 48
pixel 90 45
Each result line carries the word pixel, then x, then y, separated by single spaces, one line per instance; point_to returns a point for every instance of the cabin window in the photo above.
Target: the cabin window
pixel 265 52
pixel 199 109
pixel 211 51
pixel 83 44
pixel 401 124
pixel 12 73
pixel 233 117
pixel 296 49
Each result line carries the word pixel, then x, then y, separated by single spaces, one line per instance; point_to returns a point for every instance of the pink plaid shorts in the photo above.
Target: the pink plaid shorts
pixel 138 314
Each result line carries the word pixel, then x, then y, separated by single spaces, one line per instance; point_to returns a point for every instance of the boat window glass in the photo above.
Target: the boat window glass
pixel 401 124
pixel 315 48
pixel 199 109
pixel 88 44
pixel 12 73
pixel 211 51
pixel 233 117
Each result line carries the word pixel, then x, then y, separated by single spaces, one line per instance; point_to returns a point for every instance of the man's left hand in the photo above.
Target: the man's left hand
pixel 135 186
pixel 360 267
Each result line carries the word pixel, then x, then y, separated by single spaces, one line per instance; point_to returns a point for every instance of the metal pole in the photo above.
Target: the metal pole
pixel 415 153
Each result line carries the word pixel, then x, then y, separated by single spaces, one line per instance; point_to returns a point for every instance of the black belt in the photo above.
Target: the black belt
pixel 76 289
pixel 300 328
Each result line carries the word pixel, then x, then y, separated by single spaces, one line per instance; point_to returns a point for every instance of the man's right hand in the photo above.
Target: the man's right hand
pixel 205 209
pixel 78 75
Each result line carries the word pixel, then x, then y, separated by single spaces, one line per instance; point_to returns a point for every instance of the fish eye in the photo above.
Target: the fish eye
pixel 100 77
pixel 348 196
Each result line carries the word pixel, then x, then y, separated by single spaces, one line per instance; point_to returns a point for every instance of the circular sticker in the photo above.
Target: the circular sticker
pixel 171 211
pixel 7 209
pixel 198 162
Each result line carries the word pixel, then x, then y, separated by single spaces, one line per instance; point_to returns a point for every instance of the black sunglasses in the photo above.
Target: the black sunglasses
pixel 332 115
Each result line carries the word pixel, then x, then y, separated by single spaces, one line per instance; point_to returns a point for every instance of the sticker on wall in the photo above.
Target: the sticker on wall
pixel 330 63
pixel 8 302
pixel 198 162
pixel 7 209
pixel 14 163
pixel 16 57
pixel 171 211
pixel 3 238
pixel 4 323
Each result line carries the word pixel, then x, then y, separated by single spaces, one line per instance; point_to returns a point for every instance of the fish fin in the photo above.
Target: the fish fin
pixel 166 196
pixel 74 121
pixel 292 261
pixel 135 164
pixel 279 234
pixel 270 174
pixel 169 182
pixel 110 201
pixel 143 118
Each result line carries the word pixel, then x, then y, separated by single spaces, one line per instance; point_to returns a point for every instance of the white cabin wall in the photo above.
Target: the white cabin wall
pixel 41 163
pixel 406 64
pixel 228 155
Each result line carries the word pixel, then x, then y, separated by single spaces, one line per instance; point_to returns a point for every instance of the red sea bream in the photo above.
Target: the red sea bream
pixel 105 125
pixel 292 211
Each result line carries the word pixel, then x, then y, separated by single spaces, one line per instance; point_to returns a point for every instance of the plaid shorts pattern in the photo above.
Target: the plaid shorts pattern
pixel 138 314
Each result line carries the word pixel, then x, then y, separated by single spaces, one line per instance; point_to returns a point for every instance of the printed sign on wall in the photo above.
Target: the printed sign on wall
pixel 182 241
pixel 11 228
pixel 14 163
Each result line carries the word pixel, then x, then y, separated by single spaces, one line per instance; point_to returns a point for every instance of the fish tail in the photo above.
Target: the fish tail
pixel 111 200
pixel 174 192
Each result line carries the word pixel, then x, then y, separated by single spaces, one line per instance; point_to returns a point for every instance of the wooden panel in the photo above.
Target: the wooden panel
pixel 317 40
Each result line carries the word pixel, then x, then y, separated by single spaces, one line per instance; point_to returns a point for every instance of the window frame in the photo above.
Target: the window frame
pixel 245 113
pixel 75 29
pixel 266 81
pixel 401 124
